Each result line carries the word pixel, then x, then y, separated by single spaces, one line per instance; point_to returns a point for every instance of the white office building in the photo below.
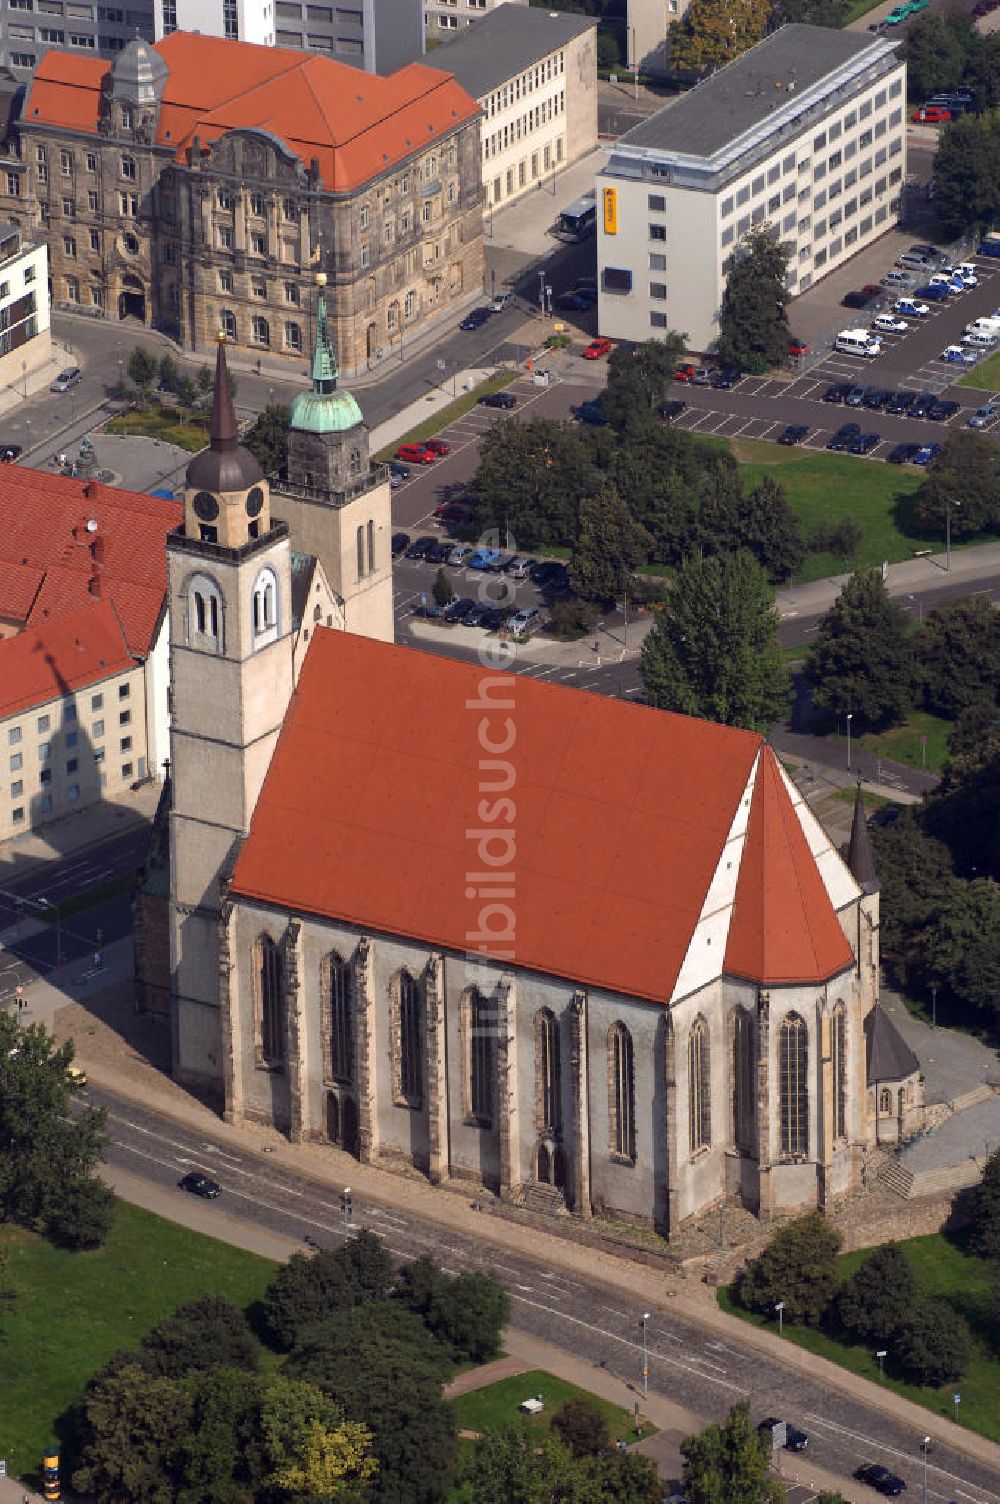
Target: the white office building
pixel 25 337
pixel 806 133
pixel 443 18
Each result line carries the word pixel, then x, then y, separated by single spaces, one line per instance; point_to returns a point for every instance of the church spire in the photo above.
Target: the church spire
pixel 222 429
pixel 859 852
pixel 324 366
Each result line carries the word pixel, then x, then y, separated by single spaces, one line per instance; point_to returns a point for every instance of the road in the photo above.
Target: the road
pixel 690 1363
pixel 34 877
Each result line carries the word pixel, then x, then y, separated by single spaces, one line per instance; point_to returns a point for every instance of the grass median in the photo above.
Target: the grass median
pixel 166 424
pixel 497 1405
pixel 986 376
pixel 436 421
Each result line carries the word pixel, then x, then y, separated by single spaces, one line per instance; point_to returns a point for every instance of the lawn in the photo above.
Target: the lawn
pixel 824 487
pixel 902 743
pixel 496 1405
pixel 986 376
pixel 435 422
pixel 162 423
pixel 73 1310
pixel 943 1272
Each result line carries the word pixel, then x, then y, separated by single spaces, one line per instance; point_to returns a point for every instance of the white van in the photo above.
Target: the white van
pixel 989 326
pixel 977 340
pixel 858 342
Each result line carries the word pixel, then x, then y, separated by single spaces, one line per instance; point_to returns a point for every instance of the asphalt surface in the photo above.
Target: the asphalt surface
pixel 688 1363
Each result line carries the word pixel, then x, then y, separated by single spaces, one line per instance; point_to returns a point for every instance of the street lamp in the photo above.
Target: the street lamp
pixel 850 715
pixel 881 1355
pixel 780 1308
pixel 44 903
pixel 925 1447
pixel 645 1354
pixel 934 1005
pixel 948 504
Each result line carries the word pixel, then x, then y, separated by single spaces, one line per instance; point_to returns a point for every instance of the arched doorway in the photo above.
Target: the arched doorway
pixel 543 1171
pixel 132 299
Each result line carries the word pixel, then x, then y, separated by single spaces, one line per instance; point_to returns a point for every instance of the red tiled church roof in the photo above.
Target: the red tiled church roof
pixel 44 539
pixel 783 928
pixel 354 123
pixel 620 817
pixel 46 662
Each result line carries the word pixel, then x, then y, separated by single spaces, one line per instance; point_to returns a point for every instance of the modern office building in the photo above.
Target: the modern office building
pixel 443 18
pixel 646 25
pixel 805 133
pixel 534 74
pixel 201 184
pixel 25 336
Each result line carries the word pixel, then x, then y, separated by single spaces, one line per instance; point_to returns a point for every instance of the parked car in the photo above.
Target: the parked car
pixel 902 454
pixel 684 373
pixel 505 400
pixel 964 272
pixel 875 398
pixel 837 392
pixel 911 308
pixel 793 434
pixel 66 379
pixel 400 543
pixel 573 302
pixel 984 415
pixel 399 470
pixel 922 404
pixel 10 452
pixel 702 376
pixel 499 301
pixel 859 299
pixel 795 1440
pixel 437 446
pixel 865 443
pixel 856 396
pixel 524 623
pixel 455 512
pixel 957 355
pixel 916 259
pixel 926 453
pixel 844 437
pixel 931 114
pixel 670 410
pixel 437 552
pixel 592 412
pixel 483 558
pixel 418 548
pixel 476 318
pixel 726 377
pixel 953 285
pixel 597 348
pixel 881 1479
pixel 200 1185
pixel 459 609
pixel 797 347
pixel 894 280
pixel 459 554
pixel 415 454
pixel 897 14
pixel 933 293
pixel 900 402
pixel 518 568
pixel 550 576
pixel 889 323
pixel 942 411
pixel 921 248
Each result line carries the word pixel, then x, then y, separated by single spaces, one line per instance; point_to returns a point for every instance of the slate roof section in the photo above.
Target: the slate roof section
pixel 47 662
pixel 355 124
pixel 888 1057
pixel 781 69
pixel 859 852
pixel 784 929
pixel 504 43
pixel 620 817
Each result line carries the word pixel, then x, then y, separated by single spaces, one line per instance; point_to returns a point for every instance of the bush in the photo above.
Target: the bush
pixel 582 1428
pixel 198 1336
pixel 558 342
pixel 843 538
pixel 308 1290
pixel 798 1267
pixel 572 618
pixel 878 1297
pixel 933 1346
pixel 83 1216
pixel 467 1315
pixel 984 1212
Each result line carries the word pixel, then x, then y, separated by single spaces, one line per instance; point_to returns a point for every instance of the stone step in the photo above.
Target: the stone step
pixel 544 1199
pixel 947 1178
pixel 970 1098
pixel 895 1177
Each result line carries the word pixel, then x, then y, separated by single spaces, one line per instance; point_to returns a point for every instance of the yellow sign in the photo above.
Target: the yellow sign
pixel 610 211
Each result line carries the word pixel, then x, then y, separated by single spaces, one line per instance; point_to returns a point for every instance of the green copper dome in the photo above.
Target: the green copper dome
pixel 324 409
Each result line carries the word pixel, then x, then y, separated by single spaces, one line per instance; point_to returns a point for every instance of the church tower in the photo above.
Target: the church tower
pixel 335 500
pixel 231 640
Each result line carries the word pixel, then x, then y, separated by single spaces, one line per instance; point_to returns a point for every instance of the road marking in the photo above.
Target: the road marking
pixel 884 1446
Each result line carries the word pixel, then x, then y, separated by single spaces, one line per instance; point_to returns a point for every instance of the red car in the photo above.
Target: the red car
pixel 798 347
pixel 415 454
pixel 684 373
pixel 932 114
pixel 437 446
pixel 597 348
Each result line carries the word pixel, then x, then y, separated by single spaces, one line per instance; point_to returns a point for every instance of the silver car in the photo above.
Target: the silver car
pixel 460 553
pixel 984 415
pixel 66 379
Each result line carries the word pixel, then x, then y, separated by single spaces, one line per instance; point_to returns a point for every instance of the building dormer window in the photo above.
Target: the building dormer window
pixel 264 608
pixel 128 168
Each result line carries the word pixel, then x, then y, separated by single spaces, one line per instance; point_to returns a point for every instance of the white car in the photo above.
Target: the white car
pixel 889 323
pixel 966 271
pixel 956 356
pixel 911 308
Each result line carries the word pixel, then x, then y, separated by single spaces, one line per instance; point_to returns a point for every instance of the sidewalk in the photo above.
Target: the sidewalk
pixel 978 562
pixel 88 827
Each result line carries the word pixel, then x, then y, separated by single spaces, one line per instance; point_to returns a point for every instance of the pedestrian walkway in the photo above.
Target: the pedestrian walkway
pixel 87 827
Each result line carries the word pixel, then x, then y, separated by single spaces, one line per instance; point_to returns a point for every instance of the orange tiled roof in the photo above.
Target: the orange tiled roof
pixel 19 585
pixel 620 814
pixel 355 124
pixel 43 530
pixel 44 663
pixel 784 928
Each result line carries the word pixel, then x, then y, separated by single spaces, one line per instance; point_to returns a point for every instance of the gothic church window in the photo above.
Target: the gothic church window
pixel 340 1021
pixel 793 1086
pixel 621 1106
pixel 839 1071
pixel 408 1070
pixel 699 1088
pixel 547 1092
pixel 744 1078
pixel 270 1001
pixel 479 1041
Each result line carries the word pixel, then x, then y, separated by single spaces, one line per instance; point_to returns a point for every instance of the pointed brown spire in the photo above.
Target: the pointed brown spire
pixel 222 430
pixel 859 852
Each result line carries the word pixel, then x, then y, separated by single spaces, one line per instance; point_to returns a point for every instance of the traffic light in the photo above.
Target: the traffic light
pixel 51 1487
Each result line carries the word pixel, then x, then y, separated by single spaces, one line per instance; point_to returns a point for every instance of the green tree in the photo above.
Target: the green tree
pixel 714 32
pixel 8 1292
pixel 798 1266
pixel 130 1427
pixel 142 368
pixel 878 1296
pixel 168 372
pixel 205 380
pixel 761 521
pixel 309 1451
pixel 608 56
pixel 187 392
pixel 199 1335
pixel 984 70
pixel 965 481
pixel 618 1478
pixel 961 949
pixel 610 545
pixel 959 656
pixel 753 319
pixel 973 744
pixel 652 363
pixel 215 1461
pixel 46 1151
pixel 938 47
pixel 582 1427
pixel 934 1345
pixel 267 440
pixel 729 1464
pixel 442 590
pixel 916 879
pixel 307 1290
pixel 862 658
pixel 417 1282
pixel 467 1315
pixel 529 478
pixel 713 650
pixel 81 1213
pixel 519 1464
pixel 983 1205
pixel 967 175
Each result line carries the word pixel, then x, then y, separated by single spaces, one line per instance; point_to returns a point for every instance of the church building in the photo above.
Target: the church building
pixel 503 932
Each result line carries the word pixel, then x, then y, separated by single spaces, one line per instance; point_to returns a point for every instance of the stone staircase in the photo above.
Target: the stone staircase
pixel 896 1179
pixel 544 1200
pixel 947 1178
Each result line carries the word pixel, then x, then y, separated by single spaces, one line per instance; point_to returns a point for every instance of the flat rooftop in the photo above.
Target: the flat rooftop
pixel 741 96
pixel 504 43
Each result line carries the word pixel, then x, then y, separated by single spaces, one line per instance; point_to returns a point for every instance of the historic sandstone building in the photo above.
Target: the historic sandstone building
pixel 200 184
pixel 495 929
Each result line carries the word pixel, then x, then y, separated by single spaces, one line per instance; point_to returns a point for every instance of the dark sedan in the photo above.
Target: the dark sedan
pixel 900 402
pixel 922 404
pixel 670 410
pixel 844 437
pixel 10 452
pixel 941 411
pixel 418 548
pixel 881 1479
pixel 400 543
pixel 793 434
pixel 200 1185
pixel 725 378
pixel 460 609
pixel 902 454
pixel 498 399
pixel 865 443
pixel 437 551
pixel 875 398
pixel 856 396
pixel 476 319
pixel 837 392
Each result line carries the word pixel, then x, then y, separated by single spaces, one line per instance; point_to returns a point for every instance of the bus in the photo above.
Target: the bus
pixel 577 220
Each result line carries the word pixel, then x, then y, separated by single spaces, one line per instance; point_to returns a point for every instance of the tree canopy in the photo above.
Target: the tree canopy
pixel 307 1290
pixel 729 1464
pixel 983 1206
pixel 798 1267
pixel 267 440
pixel 878 1296
pixel 713 649
pixel 610 545
pixel 753 319
pixel 965 479
pixel 967 175
pixel 959 656
pixel 714 32
pixel 862 659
